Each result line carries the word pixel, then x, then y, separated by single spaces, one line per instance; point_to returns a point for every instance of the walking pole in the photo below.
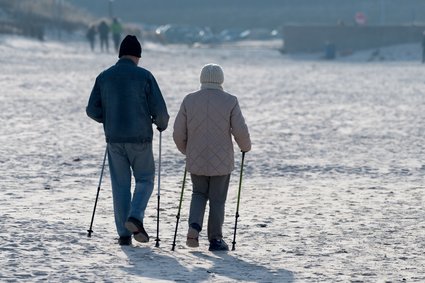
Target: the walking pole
pixel 97 195
pixel 178 212
pixel 159 192
pixel 237 206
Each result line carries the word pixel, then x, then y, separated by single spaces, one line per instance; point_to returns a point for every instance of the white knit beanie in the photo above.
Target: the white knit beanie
pixel 212 77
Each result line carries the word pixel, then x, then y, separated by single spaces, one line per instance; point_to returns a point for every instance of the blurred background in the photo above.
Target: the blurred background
pixel 295 25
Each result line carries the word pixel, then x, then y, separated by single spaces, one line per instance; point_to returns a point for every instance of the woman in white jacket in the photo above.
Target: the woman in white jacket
pixel 203 131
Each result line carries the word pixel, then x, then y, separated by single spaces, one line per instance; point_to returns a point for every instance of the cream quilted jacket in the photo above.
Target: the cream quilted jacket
pixel 203 131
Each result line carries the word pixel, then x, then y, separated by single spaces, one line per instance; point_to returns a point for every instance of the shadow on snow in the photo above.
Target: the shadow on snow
pixel 204 266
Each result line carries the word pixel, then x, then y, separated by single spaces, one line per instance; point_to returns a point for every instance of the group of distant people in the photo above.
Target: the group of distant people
pixel 103 29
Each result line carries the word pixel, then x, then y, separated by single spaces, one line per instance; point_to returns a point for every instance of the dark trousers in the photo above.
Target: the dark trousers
pixel 212 189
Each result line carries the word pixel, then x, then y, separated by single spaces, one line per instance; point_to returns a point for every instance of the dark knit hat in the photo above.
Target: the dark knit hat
pixel 130 46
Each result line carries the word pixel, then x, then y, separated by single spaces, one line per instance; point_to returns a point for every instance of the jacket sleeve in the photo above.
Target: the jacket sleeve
pixel 94 106
pixel 240 129
pixel 156 103
pixel 180 129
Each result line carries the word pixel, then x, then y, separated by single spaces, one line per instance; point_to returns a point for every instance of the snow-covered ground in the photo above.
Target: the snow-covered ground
pixel 332 191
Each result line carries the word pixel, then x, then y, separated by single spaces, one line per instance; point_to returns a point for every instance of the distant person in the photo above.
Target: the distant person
pixel 103 30
pixel 203 131
pixel 423 47
pixel 127 100
pixel 330 50
pixel 116 29
pixel 91 36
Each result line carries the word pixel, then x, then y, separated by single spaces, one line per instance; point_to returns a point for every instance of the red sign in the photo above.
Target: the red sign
pixel 360 18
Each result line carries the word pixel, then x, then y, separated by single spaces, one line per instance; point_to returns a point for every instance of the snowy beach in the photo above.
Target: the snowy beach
pixel 332 190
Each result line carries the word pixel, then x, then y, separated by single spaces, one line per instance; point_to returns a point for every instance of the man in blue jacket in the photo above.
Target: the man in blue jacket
pixel 127 100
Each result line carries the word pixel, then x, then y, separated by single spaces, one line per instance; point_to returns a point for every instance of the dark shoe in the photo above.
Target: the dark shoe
pixel 218 245
pixel 136 227
pixel 124 241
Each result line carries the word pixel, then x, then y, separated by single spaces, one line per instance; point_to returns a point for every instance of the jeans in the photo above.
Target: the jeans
pixel 123 159
pixel 213 189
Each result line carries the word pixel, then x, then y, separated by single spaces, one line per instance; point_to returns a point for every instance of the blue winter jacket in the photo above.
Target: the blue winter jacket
pixel 127 100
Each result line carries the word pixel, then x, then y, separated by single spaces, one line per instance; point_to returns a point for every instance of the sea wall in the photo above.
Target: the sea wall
pixel 304 38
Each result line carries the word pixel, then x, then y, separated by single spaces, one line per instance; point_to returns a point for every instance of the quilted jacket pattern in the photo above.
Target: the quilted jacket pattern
pixel 203 131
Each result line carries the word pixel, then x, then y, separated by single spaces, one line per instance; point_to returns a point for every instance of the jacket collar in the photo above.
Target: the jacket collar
pixel 211 86
pixel 125 61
